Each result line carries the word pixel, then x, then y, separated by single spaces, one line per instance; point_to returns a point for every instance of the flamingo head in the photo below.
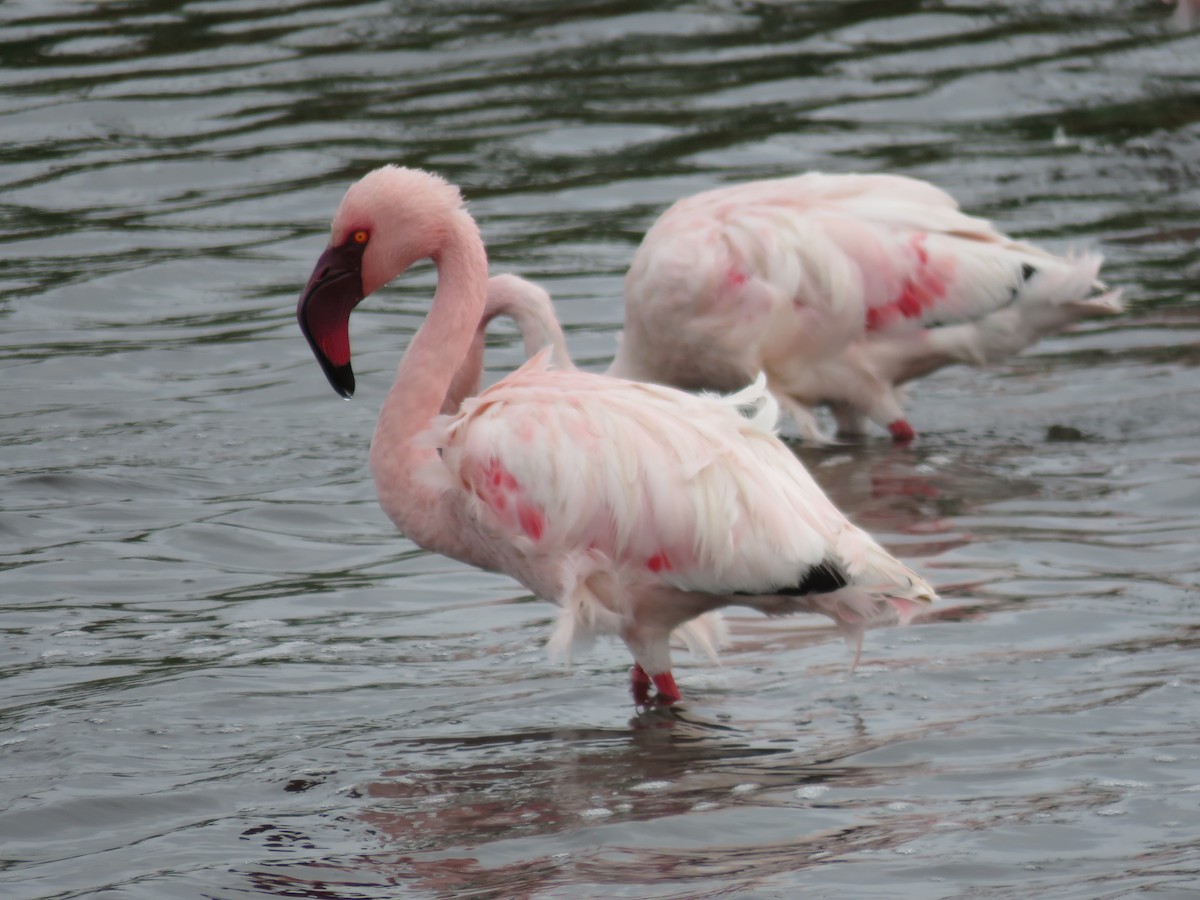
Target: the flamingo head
pixel 389 219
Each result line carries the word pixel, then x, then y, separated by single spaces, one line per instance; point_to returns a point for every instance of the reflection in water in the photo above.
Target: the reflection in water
pixel 226 676
pixel 667 764
pixel 571 809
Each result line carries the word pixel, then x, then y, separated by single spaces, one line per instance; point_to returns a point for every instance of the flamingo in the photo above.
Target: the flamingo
pixel 840 288
pixel 636 508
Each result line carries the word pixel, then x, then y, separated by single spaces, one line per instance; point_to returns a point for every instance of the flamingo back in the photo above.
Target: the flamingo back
pixel 673 489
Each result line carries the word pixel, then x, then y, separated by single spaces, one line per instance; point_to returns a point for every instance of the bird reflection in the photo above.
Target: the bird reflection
pixel 446 829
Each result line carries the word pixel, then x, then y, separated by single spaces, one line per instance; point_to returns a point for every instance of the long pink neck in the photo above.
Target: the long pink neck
pixel 533 311
pixel 540 329
pixel 433 356
pixel 469 375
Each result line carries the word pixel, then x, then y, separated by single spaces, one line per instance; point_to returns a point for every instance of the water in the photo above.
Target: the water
pixel 225 676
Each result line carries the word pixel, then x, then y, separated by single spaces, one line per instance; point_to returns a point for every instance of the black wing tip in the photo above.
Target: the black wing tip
pixel 823 578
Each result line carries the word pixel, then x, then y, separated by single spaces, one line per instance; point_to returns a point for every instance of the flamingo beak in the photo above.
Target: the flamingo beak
pixel 332 292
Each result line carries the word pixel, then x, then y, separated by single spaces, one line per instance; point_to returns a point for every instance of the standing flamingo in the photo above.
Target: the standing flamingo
pixel 636 508
pixel 840 288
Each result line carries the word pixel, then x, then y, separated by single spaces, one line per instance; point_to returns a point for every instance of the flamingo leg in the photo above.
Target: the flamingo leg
pixel 639 685
pixel 902 432
pixel 664 683
pixel 667 691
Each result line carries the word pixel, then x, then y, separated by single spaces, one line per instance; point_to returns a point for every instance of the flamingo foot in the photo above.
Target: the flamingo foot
pixel 667 691
pixel 639 685
pixel 902 432
pixel 640 682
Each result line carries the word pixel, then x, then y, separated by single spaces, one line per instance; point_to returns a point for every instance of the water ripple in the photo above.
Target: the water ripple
pixel 226 676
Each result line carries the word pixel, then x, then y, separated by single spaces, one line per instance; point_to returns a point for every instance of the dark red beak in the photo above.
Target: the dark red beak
pixel 332 292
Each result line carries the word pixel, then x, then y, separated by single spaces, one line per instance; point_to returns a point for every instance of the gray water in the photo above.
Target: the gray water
pixel 226 676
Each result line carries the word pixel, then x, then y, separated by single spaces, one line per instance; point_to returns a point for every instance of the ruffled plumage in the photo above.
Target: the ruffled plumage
pixel 841 288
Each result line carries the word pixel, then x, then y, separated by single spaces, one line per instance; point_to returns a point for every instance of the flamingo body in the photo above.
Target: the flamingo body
pixel 636 508
pixel 644 507
pixel 841 288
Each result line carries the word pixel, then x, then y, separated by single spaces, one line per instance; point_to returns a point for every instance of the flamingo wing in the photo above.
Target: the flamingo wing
pixel 840 288
pixel 673 490
pixel 920 265
pixel 846 254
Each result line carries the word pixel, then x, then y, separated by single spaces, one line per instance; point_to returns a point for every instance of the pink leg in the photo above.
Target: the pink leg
pixel 639 685
pixel 902 432
pixel 667 691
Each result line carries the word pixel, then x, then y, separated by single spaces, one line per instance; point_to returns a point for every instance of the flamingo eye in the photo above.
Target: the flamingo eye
pixel 360 237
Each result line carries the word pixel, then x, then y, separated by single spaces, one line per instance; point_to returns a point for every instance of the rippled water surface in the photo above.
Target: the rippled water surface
pixel 225 676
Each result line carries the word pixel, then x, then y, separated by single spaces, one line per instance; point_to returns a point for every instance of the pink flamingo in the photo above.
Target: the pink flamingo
pixel 636 508
pixel 840 288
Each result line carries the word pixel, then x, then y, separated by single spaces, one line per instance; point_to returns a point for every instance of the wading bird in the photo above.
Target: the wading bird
pixel 636 508
pixel 840 288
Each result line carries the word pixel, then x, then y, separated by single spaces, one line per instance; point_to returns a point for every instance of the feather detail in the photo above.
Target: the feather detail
pixel 755 403
pixel 704 635
pixel 582 616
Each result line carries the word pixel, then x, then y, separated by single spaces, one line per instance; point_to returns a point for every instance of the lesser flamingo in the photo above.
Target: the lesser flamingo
pixel 636 508
pixel 840 288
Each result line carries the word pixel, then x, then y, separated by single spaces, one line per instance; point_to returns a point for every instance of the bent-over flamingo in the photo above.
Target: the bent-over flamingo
pixel 840 288
pixel 636 508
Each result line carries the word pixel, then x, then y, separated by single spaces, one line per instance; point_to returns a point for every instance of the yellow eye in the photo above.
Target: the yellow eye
pixel 360 237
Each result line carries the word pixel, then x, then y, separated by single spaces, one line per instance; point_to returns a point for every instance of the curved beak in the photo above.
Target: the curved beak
pixel 332 292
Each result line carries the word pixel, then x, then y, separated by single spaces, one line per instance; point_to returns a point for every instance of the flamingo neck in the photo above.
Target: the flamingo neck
pixel 624 365
pixel 540 329
pixel 531 308
pixel 470 373
pixel 435 353
pixel 532 311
